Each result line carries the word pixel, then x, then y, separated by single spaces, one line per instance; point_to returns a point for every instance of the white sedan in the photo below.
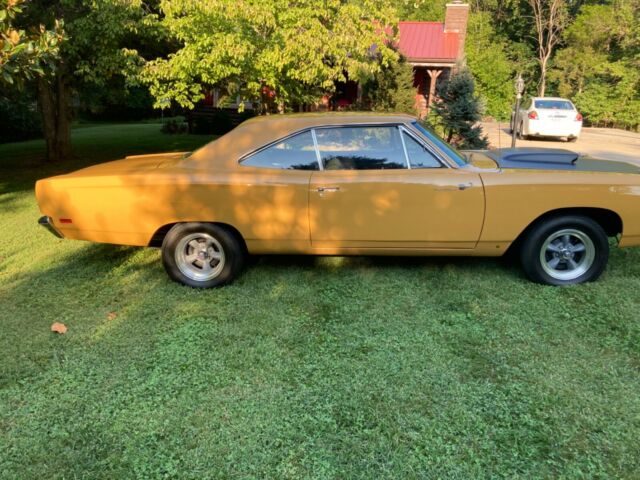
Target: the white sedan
pixel 547 117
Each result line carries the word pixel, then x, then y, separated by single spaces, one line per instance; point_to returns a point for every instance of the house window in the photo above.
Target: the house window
pixel 361 148
pixel 293 153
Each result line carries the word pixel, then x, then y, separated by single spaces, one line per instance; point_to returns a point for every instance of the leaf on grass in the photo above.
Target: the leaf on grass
pixel 59 328
pixel 111 315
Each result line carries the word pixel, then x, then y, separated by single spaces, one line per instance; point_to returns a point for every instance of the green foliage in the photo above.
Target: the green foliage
pixel 489 58
pixel 218 121
pixel 174 126
pixel 116 102
pixel 600 67
pixel 19 118
pixel 25 54
pixel 421 10
pixel 297 49
pixel 391 89
pixel 355 368
pixel 459 109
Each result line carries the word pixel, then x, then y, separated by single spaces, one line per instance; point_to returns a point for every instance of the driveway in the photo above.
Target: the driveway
pixel 606 143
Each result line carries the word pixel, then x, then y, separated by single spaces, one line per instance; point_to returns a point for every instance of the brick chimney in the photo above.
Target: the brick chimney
pixel 455 20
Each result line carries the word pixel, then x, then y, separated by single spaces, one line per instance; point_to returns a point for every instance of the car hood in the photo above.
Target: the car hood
pixel 548 159
pixel 129 165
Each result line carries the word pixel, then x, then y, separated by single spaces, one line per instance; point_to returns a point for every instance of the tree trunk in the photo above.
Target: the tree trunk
pixel 63 130
pixel 55 109
pixel 46 102
pixel 543 79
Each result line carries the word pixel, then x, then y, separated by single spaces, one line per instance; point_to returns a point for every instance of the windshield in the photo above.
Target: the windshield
pixel 554 104
pixel 441 144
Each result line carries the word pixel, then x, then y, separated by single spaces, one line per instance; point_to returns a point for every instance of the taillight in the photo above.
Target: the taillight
pixel 533 115
pixel 579 117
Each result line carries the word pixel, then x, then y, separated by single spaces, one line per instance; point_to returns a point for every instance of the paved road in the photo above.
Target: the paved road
pixel 606 143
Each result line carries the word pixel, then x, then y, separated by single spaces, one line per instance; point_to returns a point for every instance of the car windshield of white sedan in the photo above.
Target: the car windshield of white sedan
pixel 447 149
pixel 554 104
pixel 361 148
pixel 293 153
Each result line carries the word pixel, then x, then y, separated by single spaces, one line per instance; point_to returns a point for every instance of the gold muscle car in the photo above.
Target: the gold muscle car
pixel 350 184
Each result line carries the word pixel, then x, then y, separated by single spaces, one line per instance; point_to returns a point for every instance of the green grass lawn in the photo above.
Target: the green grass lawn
pixel 304 367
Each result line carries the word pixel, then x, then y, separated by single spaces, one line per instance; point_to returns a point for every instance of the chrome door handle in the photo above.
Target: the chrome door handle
pixel 460 186
pixel 327 189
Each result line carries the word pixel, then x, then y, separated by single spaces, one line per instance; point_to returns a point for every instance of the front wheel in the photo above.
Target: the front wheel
pixel 202 255
pixel 565 251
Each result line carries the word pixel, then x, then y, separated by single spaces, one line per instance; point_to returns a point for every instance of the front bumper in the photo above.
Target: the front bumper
pixel 47 223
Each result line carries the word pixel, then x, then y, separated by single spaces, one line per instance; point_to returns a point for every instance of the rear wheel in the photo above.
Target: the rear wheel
pixel 202 255
pixel 565 251
pixel 572 139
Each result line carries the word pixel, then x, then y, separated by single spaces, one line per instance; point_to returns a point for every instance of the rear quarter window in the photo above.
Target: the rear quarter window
pixel 293 153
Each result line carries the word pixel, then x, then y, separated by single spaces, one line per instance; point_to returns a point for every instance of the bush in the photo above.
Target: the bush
pixel 173 127
pixel 216 121
pixel 19 120
pixel 392 89
pixel 458 109
pixel 117 104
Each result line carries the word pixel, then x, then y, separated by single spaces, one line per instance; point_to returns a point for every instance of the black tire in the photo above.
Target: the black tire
pixel 224 244
pixel 572 139
pixel 592 261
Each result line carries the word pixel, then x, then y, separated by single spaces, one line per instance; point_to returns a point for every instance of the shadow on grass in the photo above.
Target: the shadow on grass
pixel 506 265
pixel 82 286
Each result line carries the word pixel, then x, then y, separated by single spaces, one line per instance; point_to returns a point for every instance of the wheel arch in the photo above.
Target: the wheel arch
pixel 158 236
pixel 609 220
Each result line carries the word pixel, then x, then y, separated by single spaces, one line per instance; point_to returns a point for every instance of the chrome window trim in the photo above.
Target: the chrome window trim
pixel 275 142
pixel 397 125
pixel 432 149
pixel 404 146
pixel 315 127
pixel 439 156
pixel 315 146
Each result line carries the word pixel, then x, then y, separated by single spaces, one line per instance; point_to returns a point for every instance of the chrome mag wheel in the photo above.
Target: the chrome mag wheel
pixel 567 254
pixel 199 256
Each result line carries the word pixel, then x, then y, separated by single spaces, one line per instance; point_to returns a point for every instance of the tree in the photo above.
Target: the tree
pixel 488 56
pixel 293 50
pixel 96 34
pixel 25 55
pixel 550 18
pixel 459 110
pixel 392 89
pixel 600 66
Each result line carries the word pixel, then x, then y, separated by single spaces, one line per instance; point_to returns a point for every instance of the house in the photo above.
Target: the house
pixel 433 48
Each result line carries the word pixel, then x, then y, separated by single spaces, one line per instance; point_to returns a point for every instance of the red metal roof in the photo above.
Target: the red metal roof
pixel 423 41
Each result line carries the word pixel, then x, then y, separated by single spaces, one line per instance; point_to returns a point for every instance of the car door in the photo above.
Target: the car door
pixel 380 187
pixel 272 195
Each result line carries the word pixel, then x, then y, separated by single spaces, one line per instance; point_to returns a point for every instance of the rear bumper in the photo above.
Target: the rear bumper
pixel 47 223
pixel 551 129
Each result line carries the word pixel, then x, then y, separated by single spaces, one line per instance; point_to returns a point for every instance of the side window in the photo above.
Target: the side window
pixel 361 148
pixel 294 153
pixel 419 156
